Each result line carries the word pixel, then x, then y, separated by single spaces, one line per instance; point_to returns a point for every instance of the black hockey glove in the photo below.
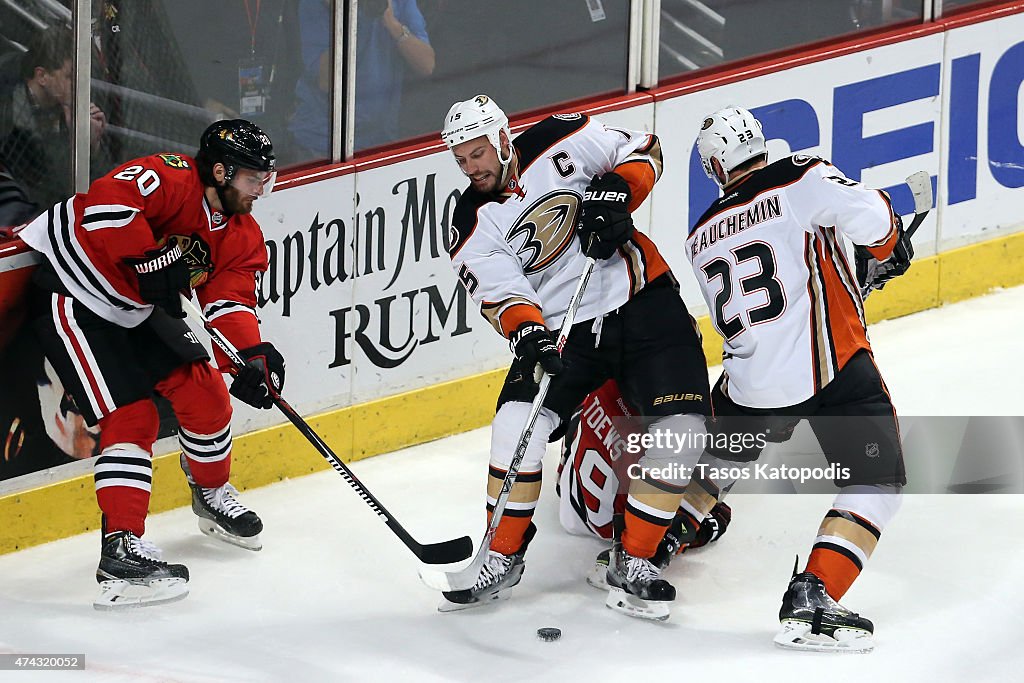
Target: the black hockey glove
pixel 163 275
pixel 874 274
pixel 534 343
pixel 264 367
pixel 606 223
pixel 713 526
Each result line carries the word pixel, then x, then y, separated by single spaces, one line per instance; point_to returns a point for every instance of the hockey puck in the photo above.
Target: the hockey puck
pixel 549 634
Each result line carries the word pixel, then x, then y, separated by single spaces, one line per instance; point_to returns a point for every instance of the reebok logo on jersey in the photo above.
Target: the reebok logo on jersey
pixel 604 196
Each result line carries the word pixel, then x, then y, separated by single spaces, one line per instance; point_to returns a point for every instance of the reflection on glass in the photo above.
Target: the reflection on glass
pixel 554 52
pixel 703 33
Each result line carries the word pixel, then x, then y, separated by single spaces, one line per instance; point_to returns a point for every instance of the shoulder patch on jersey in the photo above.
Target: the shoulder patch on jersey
pixel 543 135
pixel 174 161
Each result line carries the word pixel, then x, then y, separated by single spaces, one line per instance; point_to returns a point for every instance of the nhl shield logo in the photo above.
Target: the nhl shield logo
pixel 871 450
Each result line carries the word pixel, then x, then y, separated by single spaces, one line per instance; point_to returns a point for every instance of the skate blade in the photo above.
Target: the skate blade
pixel 447 605
pixel 796 635
pixel 213 530
pixel 621 601
pixel 598 577
pixel 116 594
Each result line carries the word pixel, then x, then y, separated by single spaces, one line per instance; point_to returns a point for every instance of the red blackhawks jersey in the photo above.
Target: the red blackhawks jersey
pixel 137 207
pixel 592 477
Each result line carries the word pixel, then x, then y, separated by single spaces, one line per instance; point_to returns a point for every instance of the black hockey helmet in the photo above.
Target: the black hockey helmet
pixel 236 143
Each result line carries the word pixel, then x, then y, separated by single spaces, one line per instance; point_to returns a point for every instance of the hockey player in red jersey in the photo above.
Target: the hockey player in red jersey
pixel 769 258
pixel 108 314
pixel 536 207
pixel 599 457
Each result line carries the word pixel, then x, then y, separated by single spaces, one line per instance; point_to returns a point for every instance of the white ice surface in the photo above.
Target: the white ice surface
pixel 334 596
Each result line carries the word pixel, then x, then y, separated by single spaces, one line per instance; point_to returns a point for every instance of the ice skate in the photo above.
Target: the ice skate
pixel 811 620
pixel 221 516
pixel 132 574
pixel 499 573
pixel 635 587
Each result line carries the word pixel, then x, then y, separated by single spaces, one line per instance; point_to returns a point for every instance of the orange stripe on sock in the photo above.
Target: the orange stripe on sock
pixel 509 536
pixel 641 538
pixel 837 571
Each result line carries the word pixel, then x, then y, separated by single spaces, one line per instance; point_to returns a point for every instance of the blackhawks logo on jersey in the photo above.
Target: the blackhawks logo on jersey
pixel 545 230
pixel 196 253
pixel 174 161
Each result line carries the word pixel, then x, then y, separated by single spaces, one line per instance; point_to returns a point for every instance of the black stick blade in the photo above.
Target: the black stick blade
pixel 446 552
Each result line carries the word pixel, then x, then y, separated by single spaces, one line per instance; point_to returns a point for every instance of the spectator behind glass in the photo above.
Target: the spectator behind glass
pixel 391 36
pixel 35 112
pixel 242 57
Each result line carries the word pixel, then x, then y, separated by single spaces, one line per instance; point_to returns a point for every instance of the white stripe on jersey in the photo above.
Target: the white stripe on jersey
pixel 53 235
pixel 100 216
pixel 216 309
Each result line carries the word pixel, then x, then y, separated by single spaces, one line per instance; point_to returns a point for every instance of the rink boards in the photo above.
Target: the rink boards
pixel 386 350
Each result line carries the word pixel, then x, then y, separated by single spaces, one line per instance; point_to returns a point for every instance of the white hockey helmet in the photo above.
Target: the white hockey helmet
pixel 474 118
pixel 731 135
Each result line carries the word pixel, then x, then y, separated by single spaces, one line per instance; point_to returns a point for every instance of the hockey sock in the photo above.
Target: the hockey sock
pixel 522 502
pixel 203 408
pixel 662 475
pixel 849 533
pixel 123 471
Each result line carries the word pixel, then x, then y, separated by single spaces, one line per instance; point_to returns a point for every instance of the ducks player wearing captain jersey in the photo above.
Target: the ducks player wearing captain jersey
pixel 597 460
pixel 514 246
pixel 768 256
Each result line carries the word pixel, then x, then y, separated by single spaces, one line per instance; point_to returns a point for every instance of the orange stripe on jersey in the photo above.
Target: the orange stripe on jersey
pixel 845 326
pixel 514 316
pixel 654 264
pixel 640 176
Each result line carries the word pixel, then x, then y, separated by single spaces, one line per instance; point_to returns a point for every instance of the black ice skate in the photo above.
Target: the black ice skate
pixel 221 516
pixel 498 574
pixel 131 574
pixel 812 620
pixel 635 586
pixel 666 551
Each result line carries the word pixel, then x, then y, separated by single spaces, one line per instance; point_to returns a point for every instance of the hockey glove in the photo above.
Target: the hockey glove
pixel 264 367
pixel 874 274
pixel 606 224
pixel 713 526
pixel 162 274
pixel 533 343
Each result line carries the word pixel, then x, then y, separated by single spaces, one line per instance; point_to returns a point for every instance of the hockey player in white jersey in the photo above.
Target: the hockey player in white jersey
pixel 517 245
pixel 768 257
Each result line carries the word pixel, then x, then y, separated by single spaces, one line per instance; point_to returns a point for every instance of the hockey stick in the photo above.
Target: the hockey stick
pixel 446 552
pixel 465 578
pixel 920 184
